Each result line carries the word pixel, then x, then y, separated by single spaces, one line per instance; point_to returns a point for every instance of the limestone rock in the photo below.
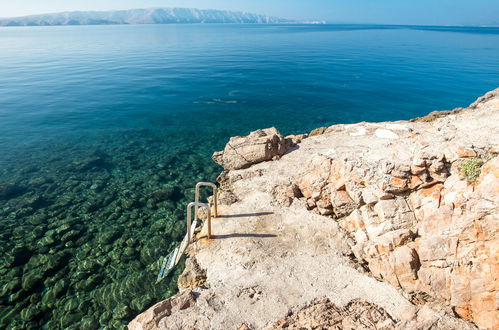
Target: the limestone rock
pixel 406 266
pixel 322 314
pixel 226 197
pixel 318 131
pixel 292 140
pixel 399 209
pixel 435 318
pixel 244 151
pixel 342 203
pixel 284 194
pixel 192 275
pixel 316 177
pixel 464 152
pixel 386 134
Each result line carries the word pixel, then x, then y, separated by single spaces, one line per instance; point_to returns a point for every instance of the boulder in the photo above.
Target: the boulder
pixel 244 151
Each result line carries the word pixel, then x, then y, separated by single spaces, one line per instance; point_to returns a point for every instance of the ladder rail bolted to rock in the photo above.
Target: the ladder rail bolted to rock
pixel 215 198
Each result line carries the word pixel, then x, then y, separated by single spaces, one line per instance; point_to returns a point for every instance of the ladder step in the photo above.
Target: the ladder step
pixel 172 259
pixel 167 265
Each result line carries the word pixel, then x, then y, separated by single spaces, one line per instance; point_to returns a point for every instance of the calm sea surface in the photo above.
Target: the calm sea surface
pixel 104 131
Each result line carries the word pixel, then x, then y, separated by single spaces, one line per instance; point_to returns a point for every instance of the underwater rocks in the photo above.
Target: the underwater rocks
pixel 83 229
pixel 97 160
pixel 20 255
pixel 167 193
pixel 30 280
pixel 10 190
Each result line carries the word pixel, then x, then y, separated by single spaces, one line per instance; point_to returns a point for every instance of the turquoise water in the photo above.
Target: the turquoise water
pixel 104 131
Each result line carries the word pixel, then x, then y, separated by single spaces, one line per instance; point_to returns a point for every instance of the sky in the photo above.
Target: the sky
pixel 423 12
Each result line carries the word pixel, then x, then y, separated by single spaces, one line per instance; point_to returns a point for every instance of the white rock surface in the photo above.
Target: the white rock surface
pixel 386 134
pixel 270 258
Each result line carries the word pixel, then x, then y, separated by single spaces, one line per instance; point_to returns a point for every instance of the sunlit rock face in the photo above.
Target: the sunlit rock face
pixel 258 146
pixel 417 221
pixel 413 204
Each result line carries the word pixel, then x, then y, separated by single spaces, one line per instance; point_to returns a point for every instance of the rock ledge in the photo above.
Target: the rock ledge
pixel 370 225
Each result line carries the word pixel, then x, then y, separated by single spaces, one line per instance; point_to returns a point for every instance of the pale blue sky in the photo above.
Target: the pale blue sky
pixel 437 12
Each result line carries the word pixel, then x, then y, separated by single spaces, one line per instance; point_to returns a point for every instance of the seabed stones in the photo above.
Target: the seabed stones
pixel 82 230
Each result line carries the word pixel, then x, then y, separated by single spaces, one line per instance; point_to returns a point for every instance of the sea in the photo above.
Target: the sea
pixel 105 130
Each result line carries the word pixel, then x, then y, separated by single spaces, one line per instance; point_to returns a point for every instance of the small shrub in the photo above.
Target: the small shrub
pixel 470 168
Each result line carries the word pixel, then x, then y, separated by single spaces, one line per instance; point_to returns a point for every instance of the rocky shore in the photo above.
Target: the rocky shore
pixel 388 225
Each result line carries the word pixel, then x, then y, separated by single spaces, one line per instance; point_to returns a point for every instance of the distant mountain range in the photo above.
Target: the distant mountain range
pixel 144 16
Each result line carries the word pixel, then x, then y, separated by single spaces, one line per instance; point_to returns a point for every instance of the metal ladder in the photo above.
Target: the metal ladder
pixel 171 260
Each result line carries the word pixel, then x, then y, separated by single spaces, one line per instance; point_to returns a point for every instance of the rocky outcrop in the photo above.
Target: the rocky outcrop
pixel 322 314
pixel 424 229
pixel 418 223
pixel 258 146
pixel 388 225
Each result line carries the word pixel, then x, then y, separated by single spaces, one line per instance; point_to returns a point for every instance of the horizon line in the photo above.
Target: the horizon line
pixel 145 8
pixel 305 22
pixel 292 21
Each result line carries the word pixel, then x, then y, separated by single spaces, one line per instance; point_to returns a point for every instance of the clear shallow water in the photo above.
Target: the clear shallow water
pixel 104 130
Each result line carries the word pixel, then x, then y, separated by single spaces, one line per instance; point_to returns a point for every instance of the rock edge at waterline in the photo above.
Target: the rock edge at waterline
pixel 373 225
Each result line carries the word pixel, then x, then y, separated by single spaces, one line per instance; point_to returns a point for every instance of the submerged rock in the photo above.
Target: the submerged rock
pixel 10 190
pixel 91 163
pixel 20 255
pixel 31 280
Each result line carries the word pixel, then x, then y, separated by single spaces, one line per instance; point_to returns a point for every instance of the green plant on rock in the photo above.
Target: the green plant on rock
pixel 471 168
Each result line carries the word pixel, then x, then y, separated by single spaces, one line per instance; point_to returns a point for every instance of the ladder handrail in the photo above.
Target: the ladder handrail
pixel 214 187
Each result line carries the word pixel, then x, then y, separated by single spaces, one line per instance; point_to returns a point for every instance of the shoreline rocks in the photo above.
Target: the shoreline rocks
pixel 259 146
pixel 384 201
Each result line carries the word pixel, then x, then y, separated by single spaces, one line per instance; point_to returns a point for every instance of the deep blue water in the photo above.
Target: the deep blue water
pixel 57 82
pixel 104 130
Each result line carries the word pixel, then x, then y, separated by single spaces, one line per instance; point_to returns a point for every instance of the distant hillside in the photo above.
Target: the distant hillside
pixel 142 16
